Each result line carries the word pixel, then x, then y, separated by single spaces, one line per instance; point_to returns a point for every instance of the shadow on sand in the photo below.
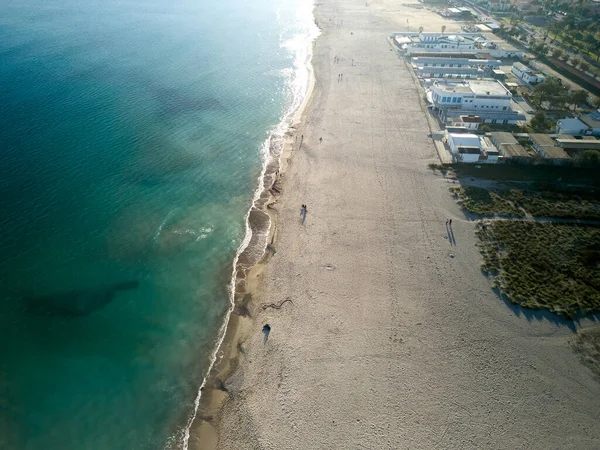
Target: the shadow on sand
pixel 450 233
pixel 543 315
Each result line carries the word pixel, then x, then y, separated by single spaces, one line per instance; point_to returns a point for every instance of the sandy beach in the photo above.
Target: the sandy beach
pixel 393 338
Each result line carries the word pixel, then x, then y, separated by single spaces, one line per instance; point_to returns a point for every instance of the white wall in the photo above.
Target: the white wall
pixel 468 100
pixel 467 157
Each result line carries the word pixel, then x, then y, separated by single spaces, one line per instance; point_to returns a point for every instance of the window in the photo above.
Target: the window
pixel 458 99
pixel 504 108
pixel 450 65
pixel 442 65
pixel 453 99
pixel 494 120
pixel 505 121
pixel 460 65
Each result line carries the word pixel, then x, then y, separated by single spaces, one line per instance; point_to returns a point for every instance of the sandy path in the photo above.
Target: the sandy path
pixel 394 338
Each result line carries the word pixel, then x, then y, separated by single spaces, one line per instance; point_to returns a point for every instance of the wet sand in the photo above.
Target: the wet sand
pixel 393 338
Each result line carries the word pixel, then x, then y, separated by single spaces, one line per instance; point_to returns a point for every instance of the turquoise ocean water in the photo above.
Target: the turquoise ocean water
pixel 132 141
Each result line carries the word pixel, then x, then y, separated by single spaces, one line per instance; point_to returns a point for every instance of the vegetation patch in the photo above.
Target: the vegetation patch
pixel 544 265
pixel 516 172
pixel 485 202
pixel 587 345
pixel 548 201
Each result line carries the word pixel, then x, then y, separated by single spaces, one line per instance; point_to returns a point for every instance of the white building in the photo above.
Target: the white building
pixel 470 148
pixel 524 73
pixel 438 42
pixel 473 95
pixel 445 67
pixel 464 147
pixel 463 43
pixel 571 126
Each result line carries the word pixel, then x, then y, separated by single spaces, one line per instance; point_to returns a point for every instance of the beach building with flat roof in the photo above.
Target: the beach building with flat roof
pixel 508 146
pixel 571 143
pixel 448 116
pixel 514 151
pixel 571 126
pixel 545 146
pixel 526 74
pixel 465 147
pixel 502 137
pixel 449 67
pixel 437 42
pixel 451 12
pixel 412 43
pixel 592 120
pixel 471 94
pixel 471 148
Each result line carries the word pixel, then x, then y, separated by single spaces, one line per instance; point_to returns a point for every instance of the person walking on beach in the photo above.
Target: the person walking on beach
pixel 450 223
pixel 266 330
pixel 447 222
pixel 303 212
pixel 320 140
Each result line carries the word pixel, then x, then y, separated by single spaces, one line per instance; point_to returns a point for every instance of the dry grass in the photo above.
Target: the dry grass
pixel 544 265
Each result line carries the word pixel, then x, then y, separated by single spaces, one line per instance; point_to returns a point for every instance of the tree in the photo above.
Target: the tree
pixel 557 52
pixel 540 123
pixel 577 98
pixel 551 92
pixel 591 158
pixel 540 49
pixel 584 66
pixel 443 28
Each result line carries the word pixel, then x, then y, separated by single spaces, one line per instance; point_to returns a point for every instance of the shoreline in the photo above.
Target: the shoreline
pixel 200 433
pixel 394 338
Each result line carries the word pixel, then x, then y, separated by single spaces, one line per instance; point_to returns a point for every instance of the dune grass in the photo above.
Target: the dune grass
pixel 566 203
pixel 544 265
pixel 484 202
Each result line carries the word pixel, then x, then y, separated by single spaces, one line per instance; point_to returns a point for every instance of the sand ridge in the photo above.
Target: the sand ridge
pixel 394 339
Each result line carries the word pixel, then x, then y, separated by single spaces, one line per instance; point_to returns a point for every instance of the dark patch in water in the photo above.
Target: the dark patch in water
pixel 75 303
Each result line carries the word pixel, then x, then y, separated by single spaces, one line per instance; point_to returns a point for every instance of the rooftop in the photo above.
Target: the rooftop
pixel 569 142
pixel 514 150
pixel 569 122
pixel 503 137
pixel 465 139
pixel 554 152
pixel 493 114
pixel 470 118
pixel 591 120
pixel 477 87
pixel 522 67
pixel 543 140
